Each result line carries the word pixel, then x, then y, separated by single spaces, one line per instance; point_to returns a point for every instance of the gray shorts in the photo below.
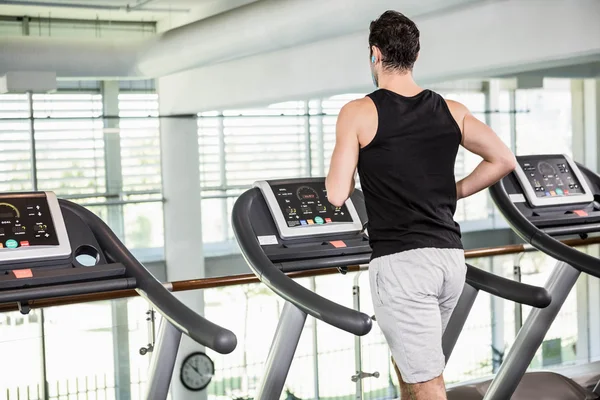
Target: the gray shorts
pixel 414 293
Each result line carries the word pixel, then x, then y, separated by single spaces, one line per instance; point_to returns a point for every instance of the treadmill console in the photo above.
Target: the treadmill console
pixel 32 227
pixel 551 180
pixel 299 207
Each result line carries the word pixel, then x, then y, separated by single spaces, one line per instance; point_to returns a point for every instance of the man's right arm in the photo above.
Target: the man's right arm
pixel 498 161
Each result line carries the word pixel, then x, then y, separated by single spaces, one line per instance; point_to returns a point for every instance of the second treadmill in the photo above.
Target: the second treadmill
pixel 546 197
pixel 288 225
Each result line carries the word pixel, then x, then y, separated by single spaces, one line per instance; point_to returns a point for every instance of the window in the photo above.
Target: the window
pixel 69 143
pixel 239 147
pixel 139 132
pixel 15 143
pixel 546 126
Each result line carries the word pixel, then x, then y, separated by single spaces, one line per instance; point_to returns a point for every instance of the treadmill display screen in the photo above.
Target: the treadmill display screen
pixel 26 221
pixel 551 177
pixel 305 204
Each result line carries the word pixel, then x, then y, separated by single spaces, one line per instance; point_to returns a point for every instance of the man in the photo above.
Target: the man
pixel 404 139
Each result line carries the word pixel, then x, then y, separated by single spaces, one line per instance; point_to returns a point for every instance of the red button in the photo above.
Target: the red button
pixel 581 213
pixel 25 243
pixel 328 220
pixel 22 273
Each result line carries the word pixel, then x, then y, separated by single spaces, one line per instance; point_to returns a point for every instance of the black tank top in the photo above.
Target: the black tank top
pixel 407 174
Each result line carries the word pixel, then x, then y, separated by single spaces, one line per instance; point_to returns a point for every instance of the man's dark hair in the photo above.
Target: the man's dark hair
pixel 397 37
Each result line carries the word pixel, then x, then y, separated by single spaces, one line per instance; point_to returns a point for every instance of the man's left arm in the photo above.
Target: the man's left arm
pixel 340 179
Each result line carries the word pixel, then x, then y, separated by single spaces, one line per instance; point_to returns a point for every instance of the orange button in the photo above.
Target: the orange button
pixel 338 243
pixel 581 213
pixel 22 273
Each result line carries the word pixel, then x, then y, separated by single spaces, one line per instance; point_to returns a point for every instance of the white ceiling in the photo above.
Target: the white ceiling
pixel 168 12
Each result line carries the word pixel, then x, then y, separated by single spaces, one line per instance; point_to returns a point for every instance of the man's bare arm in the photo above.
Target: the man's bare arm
pixel 498 161
pixel 340 179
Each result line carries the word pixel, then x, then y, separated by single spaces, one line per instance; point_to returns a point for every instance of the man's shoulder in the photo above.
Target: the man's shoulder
pixel 456 108
pixel 361 107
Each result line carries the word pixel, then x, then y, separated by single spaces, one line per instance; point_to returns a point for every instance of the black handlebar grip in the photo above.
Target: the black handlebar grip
pixel 306 300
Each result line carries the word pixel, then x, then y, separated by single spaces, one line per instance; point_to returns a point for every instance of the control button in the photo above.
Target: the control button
pixel 547 193
pixel 40 214
pixel 532 175
pixel 303 222
pixel 38 207
pixel 47 235
pixel 11 244
pixel 24 243
pixel 310 222
pixel 1 246
pixel 566 192
pixel 559 191
pixel 319 220
pixel 328 220
pixel 542 188
pixel 576 186
pixel 552 193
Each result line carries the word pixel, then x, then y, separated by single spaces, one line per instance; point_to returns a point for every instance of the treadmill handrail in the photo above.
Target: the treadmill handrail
pixel 539 239
pixel 306 300
pixel 508 289
pixel 181 316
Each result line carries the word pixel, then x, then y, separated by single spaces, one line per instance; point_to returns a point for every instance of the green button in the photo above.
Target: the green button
pixel 11 244
pixel 319 220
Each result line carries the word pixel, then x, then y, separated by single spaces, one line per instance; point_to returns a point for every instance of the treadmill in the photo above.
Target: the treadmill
pixel 42 241
pixel 288 225
pixel 546 197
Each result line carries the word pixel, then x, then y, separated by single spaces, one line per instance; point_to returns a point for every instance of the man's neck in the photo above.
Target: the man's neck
pixel 403 84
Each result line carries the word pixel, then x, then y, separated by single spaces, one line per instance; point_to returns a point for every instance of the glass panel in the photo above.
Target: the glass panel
pixel 144 227
pixel 546 126
pixel 79 349
pixel 15 143
pixel 20 351
pixel 214 222
pixel 140 142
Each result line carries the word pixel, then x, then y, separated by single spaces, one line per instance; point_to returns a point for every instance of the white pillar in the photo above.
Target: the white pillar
pixel 585 96
pixel 183 225
pixel 492 102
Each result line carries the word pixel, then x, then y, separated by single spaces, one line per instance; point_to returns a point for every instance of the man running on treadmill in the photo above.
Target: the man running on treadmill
pixel 403 140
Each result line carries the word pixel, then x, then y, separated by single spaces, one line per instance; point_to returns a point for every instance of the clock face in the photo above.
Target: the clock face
pixel 197 371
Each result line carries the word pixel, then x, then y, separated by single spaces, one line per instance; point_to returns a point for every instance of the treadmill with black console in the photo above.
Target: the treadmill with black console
pixel 545 198
pixel 45 246
pixel 288 225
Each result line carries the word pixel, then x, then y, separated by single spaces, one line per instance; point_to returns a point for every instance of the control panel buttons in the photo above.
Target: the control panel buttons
pixel 11 244
pixel 319 220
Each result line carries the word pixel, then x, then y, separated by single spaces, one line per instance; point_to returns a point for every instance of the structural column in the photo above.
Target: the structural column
pixel 114 187
pixel 585 95
pixel 492 103
pixel 183 225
